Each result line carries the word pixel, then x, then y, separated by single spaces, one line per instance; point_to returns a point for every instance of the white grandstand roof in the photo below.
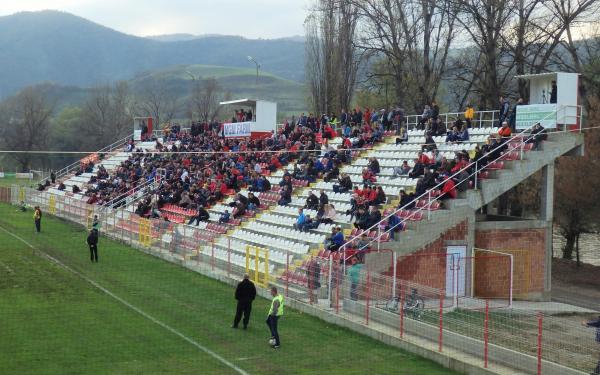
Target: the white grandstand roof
pixel 249 102
pixel 540 75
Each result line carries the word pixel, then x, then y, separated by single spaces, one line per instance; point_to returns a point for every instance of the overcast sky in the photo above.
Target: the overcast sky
pixel 248 18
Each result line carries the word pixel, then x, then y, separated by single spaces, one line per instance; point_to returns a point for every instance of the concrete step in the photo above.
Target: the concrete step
pixel 420 234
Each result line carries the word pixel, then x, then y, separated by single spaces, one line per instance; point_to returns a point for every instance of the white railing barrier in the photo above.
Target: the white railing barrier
pixel 75 165
pixel 481 119
pixel 518 137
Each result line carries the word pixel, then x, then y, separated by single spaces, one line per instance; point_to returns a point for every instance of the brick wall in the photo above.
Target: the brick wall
pixel 428 265
pixel 5 194
pixel 528 247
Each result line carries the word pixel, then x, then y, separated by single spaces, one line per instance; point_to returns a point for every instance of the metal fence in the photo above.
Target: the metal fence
pixel 481 119
pixel 423 312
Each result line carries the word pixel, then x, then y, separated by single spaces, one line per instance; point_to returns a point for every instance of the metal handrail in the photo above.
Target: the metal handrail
pixel 75 165
pixel 428 192
pixel 149 184
pixel 478 118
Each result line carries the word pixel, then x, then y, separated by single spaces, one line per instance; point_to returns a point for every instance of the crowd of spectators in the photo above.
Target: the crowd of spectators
pixel 198 167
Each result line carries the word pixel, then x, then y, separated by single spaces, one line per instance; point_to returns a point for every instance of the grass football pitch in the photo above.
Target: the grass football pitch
pixel 159 318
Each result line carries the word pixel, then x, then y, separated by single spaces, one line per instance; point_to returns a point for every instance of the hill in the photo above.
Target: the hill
pixel 52 46
pixel 239 82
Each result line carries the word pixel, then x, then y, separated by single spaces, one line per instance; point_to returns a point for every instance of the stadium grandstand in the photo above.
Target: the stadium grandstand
pixel 351 215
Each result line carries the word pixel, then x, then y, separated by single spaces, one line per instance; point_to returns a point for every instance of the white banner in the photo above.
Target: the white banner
pixel 237 129
pixel 28 176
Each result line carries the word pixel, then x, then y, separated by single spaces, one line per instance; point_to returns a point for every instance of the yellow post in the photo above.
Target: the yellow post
pixel 256 278
pixel 22 194
pixel 144 232
pixel 257 253
pixel 52 204
pixel 266 275
pixel 89 217
pixel 248 259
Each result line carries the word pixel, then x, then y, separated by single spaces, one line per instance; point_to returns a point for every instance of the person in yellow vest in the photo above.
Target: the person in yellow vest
pixel 469 114
pixel 37 218
pixel 275 312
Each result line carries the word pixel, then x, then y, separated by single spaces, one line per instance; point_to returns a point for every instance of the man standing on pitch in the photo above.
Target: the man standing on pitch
pixel 244 294
pixel 37 218
pixel 92 241
pixel 275 312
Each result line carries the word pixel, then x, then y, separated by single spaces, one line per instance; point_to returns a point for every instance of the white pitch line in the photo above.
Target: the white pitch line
pixel 132 307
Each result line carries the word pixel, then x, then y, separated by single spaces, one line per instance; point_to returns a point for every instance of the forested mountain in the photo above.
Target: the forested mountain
pixel 52 46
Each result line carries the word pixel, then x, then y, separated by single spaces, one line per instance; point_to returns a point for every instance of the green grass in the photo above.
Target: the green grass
pixel 240 82
pixel 54 322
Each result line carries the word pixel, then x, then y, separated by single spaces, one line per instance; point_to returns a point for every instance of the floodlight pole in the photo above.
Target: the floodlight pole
pixel 251 59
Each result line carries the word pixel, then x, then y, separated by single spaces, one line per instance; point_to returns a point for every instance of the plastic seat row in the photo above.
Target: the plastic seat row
pixel 270 242
pixel 276 231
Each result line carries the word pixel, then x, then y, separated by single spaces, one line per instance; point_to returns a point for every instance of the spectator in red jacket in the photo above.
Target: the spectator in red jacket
pixel 449 189
pixel 423 158
pixel 368 176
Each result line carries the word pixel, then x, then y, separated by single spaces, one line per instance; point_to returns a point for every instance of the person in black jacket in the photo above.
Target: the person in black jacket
pixel 201 215
pixel 244 294
pixel 312 202
pixel 344 184
pixel 253 202
pixel 323 199
pixel 92 241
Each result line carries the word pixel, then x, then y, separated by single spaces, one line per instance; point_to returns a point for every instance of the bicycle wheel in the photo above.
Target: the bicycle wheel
pixel 419 308
pixel 392 305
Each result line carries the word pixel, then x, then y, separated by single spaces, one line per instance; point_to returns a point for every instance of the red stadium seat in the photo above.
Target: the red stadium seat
pixel 416 216
pixel 483 175
pixel 435 206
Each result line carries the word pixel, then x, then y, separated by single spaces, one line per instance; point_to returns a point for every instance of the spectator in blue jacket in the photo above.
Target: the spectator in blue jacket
pixel 300 220
pixel 336 240
pixel 225 216
pixel 394 224
pixel 463 135
pixel 596 324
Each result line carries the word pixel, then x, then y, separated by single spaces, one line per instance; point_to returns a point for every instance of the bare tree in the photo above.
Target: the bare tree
pixel 332 59
pixel 206 95
pixel 485 22
pixel 414 38
pixel 577 205
pixel 158 102
pixel 107 114
pixel 348 58
pixel 25 118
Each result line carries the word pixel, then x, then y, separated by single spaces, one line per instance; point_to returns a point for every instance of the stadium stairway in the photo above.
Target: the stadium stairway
pixel 273 227
pixel 276 224
pixel 496 183
pixel 110 162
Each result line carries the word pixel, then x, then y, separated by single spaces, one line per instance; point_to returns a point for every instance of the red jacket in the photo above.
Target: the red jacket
pixel 372 195
pixel 449 188
pixel 460 165
pixel 424 159
pixel 504 132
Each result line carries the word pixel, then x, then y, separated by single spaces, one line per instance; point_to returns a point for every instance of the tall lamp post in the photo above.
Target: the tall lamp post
pixel 195 81
pixel 251 59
